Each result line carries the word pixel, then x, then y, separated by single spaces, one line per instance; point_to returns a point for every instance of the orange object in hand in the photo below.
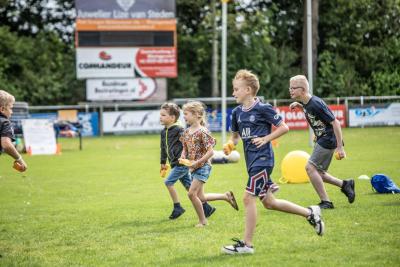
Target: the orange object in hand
pixel 18 166
pixel 163 172
pixel 185 162
pixel 228 147
pixel 337 156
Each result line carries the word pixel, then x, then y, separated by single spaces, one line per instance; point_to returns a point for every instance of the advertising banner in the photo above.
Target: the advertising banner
pixel 123 62
pixel 125 9
pixel 119 89
pixel 296 119
pixel 39 137
pixel 131 121
pixel 126 25
pixel 375 115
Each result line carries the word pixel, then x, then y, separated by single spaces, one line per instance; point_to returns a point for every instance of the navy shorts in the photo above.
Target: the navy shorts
pixel 259 181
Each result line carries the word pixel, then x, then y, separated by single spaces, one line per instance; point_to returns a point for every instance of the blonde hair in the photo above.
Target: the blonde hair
pixel 301 80
pixel 196 108
pixel 6 99
pixel 250 78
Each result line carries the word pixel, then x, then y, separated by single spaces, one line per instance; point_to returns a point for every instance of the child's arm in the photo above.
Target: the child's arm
pixel 9 148
pixel 163 156
pixel 339 138
pixel 279 131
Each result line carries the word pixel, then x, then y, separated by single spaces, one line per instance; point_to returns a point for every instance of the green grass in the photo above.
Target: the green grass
pixel 107 206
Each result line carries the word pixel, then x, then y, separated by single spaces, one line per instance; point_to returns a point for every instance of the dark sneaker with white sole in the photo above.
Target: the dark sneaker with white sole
pixel 315 219
pixel 348 190
pixel 238 248
pixel 176 212
pixel 326 205
pixel 208 209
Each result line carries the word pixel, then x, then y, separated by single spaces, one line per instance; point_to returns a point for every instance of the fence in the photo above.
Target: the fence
pixel 361 106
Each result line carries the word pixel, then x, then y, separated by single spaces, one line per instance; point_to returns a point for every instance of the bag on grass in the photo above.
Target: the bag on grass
pixel 383 184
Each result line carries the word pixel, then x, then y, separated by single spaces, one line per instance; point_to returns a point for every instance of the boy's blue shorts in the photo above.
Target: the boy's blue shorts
pixel 202 173
pixel 259 181
pixel 179 173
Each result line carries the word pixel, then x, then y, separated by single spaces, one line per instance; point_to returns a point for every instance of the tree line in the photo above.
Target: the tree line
pixel 356 51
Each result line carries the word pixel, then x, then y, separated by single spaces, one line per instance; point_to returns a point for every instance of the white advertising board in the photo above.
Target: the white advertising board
pixel 39 136
pixel 375 115
pixel 119 89
pixel 131 121
pixel 105 62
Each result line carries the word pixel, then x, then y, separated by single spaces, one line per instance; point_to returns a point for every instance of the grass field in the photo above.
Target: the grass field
pixel 107 206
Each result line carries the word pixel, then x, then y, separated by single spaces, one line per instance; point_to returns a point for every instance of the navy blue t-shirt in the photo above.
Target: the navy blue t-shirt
pixel 6 129
pixel 255 122
pixel 320 117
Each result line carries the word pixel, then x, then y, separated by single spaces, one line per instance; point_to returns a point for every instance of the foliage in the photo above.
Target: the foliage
pixel 358 49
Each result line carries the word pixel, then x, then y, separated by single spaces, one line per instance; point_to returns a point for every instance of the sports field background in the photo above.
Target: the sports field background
pixel 107 206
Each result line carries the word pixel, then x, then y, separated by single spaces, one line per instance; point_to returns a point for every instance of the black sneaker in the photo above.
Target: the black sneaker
pixel 176 212
pixel 326 205
pixel 348 190
pixel 208 209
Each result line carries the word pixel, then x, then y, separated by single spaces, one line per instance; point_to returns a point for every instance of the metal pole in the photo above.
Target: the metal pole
pixel 223 68
pixel 310 60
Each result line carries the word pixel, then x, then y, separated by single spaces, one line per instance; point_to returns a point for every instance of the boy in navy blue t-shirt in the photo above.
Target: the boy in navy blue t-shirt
pixel 328 139
pixel 6 129
pixel 252 122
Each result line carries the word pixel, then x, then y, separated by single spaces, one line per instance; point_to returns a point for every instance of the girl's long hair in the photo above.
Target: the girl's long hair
pixel 197 108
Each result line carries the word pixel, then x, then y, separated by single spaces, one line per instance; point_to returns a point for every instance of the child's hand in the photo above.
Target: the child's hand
pixel 228 147
pixel 164 169
pixel 295 105
pixel 20 165
pixel 340 154
pixel 260 141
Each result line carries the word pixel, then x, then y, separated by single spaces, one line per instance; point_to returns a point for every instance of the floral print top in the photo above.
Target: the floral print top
pixel 196 144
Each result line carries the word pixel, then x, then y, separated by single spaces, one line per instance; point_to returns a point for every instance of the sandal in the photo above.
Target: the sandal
pixel 232 200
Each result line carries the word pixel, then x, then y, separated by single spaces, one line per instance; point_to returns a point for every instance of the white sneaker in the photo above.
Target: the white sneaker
pixel 238 248
pixel 315 219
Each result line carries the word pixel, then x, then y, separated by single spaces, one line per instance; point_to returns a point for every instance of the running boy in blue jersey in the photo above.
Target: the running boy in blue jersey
pixel 328 139
pixel 252 122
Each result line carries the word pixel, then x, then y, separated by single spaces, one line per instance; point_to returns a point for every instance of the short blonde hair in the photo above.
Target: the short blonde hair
pixel 6 99
pixel 196 108
pixel 301 80
pixel 172 109
pixel 249 78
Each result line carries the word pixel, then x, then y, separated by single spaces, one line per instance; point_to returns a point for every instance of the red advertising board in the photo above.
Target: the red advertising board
pixel 296 120
pixel 156 62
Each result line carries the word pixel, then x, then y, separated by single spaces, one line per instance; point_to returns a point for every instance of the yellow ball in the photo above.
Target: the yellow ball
pixel 293 167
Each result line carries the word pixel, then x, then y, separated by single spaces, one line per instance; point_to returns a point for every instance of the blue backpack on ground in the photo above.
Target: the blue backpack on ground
pixel 383 184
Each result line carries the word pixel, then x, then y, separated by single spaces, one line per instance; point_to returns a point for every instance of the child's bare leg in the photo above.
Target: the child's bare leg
pixel 270 202
pixel 251 218
pixel 172 193
pixel 331 179
pixel 193 194
pixel 317 182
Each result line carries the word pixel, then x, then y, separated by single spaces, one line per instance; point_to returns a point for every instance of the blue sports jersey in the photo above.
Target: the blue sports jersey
pixel 254 122
pixel 320 117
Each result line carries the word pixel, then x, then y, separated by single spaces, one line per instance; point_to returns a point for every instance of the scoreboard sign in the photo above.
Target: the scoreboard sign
pixel 125 9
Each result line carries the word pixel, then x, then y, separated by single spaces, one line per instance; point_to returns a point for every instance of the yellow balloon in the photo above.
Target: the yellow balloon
pixel 293 167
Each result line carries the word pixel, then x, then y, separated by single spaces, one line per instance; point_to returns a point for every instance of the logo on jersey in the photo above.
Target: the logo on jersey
pixel 277 117
pixel 252 118
pixel 246 132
